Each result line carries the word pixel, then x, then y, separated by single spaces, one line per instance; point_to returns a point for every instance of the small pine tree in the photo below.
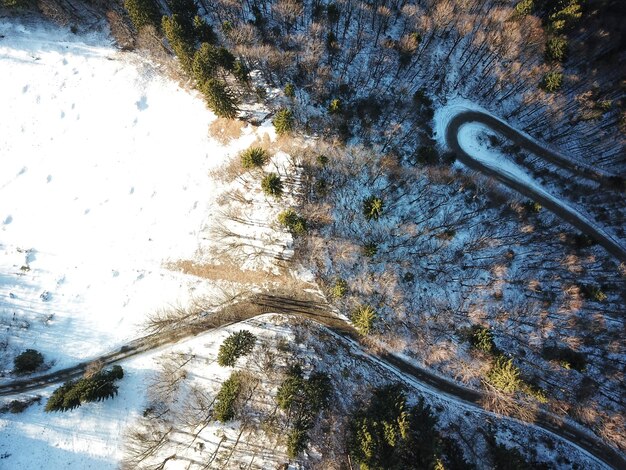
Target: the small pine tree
pixel 283 121
pixel 202 31
pixel 254 157
pixel 241 72
pixel 27 362
pixel 272 185
pixel 177 33
pixel 143 13
pixel 293 222
pixel 481 338
pixel 226 399
pixel 339 289
pixel 205 63
pixel 235 346
pixel 363 318
pixel 551 81
pixel 219 98
pixel 373 208
pixel 290 90
pixel 504 375
pixel 335 106
pixel 556 49
pixel 370 249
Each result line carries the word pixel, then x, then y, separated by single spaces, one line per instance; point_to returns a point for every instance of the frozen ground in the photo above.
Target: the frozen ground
pixel 104 179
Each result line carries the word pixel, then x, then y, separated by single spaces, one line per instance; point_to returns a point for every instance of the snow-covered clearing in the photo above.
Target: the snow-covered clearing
pixel 104 182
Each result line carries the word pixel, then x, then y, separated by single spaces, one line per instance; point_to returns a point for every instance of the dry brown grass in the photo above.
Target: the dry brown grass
pixel 224 272
pixel 224 130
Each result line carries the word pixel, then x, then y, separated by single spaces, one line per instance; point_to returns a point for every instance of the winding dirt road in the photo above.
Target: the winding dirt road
pixel 310 308
pixel 559 208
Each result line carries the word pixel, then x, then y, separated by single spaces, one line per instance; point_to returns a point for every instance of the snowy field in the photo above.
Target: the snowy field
pixel 104 180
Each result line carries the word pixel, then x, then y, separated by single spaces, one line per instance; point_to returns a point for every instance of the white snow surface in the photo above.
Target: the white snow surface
pixel 104 178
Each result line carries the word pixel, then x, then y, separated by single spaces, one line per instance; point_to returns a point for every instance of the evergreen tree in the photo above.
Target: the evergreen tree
pixel 552 81
pixel 226 399
pixel 143 13
pixel 293 222
pixel 363 318
pixel 283 121
pixel 28 361
pixel 373 208
pixel 177 33
pixel 235 346
pixel 556 49
pixel 272 185
pixel 254 157
pixel 219 98
pixel 389 434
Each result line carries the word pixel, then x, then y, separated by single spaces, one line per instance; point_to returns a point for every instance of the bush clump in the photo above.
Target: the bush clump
pixel 73 394
pixel 235 346
pixel 283 121
pixel 254 157
pixel 272 185
pixel 294 223
pixel 363 318
pixel 27 362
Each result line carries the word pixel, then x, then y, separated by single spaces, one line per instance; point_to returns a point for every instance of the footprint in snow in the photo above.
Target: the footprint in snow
pixel 49 178
pixel 8 220
pixel 22 171
pixel 132 190
pixel 142 104
pixel 25 88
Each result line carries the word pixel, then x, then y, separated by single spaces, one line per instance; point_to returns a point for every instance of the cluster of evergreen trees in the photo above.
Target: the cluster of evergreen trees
pixel 387 433
pixel 302 399
pixel 195 44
